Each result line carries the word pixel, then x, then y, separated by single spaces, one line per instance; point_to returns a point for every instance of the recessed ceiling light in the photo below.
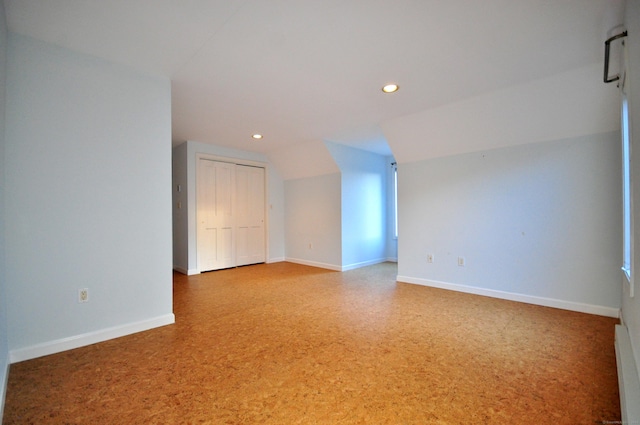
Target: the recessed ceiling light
pixel 390 88
pixel 257 136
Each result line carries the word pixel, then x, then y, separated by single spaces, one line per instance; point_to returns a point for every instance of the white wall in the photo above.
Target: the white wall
pixel 538 220
pixel 302 160
pixel 363 205
pixel 631 306
pixel 314 223
pixel 4 343
pixel 570 104
pixel 184 173
pixel 392 241
pixel 88 201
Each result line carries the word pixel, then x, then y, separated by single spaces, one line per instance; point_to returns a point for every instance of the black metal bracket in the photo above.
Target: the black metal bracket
pixel 606 57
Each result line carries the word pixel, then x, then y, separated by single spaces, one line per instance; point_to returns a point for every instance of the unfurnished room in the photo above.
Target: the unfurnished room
pixel 319 212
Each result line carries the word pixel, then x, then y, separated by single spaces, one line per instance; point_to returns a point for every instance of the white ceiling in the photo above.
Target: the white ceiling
pixel 308 70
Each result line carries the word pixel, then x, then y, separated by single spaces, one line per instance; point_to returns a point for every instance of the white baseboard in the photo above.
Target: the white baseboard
pixel 188 272
pixel 392 259
pixel 528 299
pixel 180 270
pixel 314 264
pixel 362 264
pixel 77 341
pixel 628 379
pixel 336 267
pixel 4 380
pixel 276 260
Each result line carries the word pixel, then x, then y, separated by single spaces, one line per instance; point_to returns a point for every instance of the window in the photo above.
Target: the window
pixel 626 193
pixel 395 199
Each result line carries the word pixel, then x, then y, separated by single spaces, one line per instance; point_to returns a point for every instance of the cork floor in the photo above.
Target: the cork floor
pixel 289 344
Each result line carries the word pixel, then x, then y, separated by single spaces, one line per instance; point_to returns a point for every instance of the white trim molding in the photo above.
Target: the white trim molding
pixel 77 341
pixel 628 380
pixel 333 267
pixel 336 267
pixel 528 299
pixel 188 272
pixel 276 260
pixel 362 264
pixel 4 381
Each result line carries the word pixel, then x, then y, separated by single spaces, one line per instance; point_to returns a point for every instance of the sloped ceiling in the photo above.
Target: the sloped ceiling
pixel 301 71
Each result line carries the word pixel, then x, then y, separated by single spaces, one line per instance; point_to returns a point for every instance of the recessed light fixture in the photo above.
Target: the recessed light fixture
pixel 257 136
pixel 390 88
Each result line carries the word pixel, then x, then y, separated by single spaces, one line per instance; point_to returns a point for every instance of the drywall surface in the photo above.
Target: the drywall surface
pixel 392 240
pixel 179 189
pixel 542 220
pixel 314 224
pixel 303 160
pixel 88 201
pixel 363 205
pixel 571 104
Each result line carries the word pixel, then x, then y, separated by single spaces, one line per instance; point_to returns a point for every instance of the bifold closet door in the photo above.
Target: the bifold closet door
pixel 230 214
pixel 250 204
pixel 215 215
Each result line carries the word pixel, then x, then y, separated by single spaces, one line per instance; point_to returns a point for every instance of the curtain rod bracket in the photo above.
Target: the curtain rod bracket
pixel 606 57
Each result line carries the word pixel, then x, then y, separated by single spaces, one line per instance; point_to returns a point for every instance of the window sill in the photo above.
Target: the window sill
pixel 627 273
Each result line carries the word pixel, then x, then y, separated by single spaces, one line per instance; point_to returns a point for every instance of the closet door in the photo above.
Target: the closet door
pixel 215 215
pixel 250 214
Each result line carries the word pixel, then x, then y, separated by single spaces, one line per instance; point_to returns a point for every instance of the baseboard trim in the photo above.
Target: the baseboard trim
pixel 188 272
pixel 180 270
pixel 276 260
pixel 528 299
pixel 336 267
pixel 362 264
pixel 77 341
pixel 628 379
pixel 314 264
pixel 3 388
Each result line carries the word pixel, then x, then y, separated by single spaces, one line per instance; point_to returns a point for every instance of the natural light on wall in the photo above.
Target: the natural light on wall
pixel 395 199
pixel 626 192
pixel 372 199
pixel 627 207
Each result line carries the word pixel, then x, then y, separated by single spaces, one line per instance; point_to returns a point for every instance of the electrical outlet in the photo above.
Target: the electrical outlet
pixel 83 295
pixel 461 261
pixel 429 258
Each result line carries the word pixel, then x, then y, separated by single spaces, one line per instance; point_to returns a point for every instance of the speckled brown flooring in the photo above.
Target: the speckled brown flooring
pixel 289 344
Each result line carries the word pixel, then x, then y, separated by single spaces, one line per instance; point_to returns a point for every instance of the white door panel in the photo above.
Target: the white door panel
pixel 250 200
pixel 214 214
pixel 230 211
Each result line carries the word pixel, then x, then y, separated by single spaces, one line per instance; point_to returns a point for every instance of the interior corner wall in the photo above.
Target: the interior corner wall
pixel 570 104
pixel 538 223
pixel 4 343
pixel 308 159
pixel 363 205
pixel 184 173
pixel 87 199
pixel 313 221
pixel 391 249
pixel 180 209
pixel 631 306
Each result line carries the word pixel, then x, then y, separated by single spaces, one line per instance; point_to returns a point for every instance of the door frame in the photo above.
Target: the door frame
pixel 237 161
